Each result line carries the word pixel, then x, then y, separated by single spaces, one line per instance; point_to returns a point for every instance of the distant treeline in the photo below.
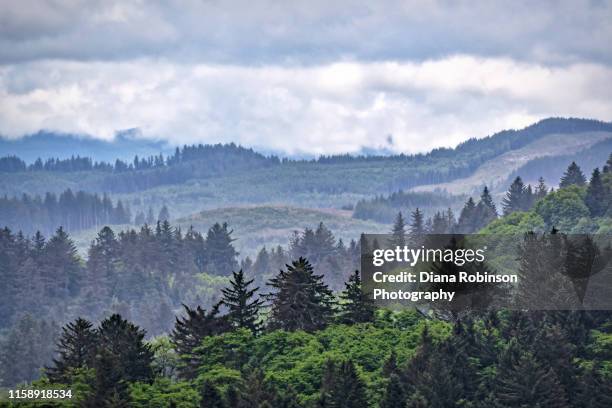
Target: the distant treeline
pixel 73 211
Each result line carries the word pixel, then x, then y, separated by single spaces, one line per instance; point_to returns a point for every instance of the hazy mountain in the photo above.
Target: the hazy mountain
pixel 57 145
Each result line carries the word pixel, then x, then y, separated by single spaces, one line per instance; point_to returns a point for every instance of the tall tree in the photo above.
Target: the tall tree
pixel 515 197
pixel 467 217
pixel 596 195
pixel 417 228
pixel 76 349
pixel 239 299
pixel 190 330
pixel 300 300
pixel 573 176
pixel 607 168
pixel 343 388
pixel 398 233
pixel 220 253
pixel 541 189
pixel 357 306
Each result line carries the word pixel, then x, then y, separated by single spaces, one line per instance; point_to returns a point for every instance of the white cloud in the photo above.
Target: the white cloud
pixel 326 108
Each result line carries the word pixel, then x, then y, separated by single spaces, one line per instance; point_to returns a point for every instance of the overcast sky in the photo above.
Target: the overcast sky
pixel 302 76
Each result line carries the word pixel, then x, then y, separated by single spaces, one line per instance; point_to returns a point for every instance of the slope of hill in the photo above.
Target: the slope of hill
pixel 256 226
pixel 495 172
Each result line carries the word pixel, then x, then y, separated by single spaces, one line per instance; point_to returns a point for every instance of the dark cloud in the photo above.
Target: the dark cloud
pixel 304 32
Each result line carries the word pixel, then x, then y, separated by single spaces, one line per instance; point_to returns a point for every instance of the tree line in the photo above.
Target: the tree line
pixel 74 211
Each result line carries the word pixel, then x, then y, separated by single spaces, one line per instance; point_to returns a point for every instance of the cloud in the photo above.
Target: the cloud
pixel 304 32
pixel 323 108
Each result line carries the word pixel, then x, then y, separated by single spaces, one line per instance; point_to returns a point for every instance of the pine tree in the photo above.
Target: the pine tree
pixel 572 176
pixel 485 211
pixel 62 270
pixel 220 253
pixel 522 381
pixel 358 306
pixel 189 331
pixel 125 344
pixel 398 234
pixel 596 197
pixel 515 197
pixel 238 298
pixel 342 387
pixel 102 270
pixel 300 301
pixel 466 223
pixel 541 189
pixel 417 228
pixel 210 397
pixel 76 349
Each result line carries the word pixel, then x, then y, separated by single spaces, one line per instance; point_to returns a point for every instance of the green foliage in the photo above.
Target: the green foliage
pixel 163 393
pixel 563 208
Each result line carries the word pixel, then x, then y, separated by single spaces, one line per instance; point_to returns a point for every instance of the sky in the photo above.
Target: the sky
pixel 301 77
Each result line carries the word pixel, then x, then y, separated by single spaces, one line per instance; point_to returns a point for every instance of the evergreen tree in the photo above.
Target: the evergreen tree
pixel 485 211
pixel 357 306
pixel 523 382
pixel 300 301
pixel 346 390
pixel 75 348
pixel 572 176
pixel 62 271
pixel 417 228
pixel 541 189
pixel 596 195
pixel 189 331
pixel 515 197
pixel 220 253
pixel 466 223
pixel 238 298
pixel 398 234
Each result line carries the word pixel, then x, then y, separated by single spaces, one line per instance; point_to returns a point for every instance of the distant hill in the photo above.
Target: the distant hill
pixel 57 145
pixel 218 176
pixel 256 226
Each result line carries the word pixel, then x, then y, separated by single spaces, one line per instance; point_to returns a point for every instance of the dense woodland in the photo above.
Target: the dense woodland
pixel 184 322
pixel 73 211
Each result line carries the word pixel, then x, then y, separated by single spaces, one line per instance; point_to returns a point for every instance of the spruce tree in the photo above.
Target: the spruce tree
pixel 596 195
pixel 572 176
pixel 515 197
pixel 301 300
pixel 243 308
pixel 523 382
pixel 190 330
pixel 76 349
pixel 347 389
pixel 357 306
pixel 485 210
pixel 467 218
pixel 122 357
pixel 220 253
pixel 541 189
pixel 398 233
pixel 417 228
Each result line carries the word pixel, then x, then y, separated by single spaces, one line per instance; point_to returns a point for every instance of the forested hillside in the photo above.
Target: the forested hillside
pixel 242 337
